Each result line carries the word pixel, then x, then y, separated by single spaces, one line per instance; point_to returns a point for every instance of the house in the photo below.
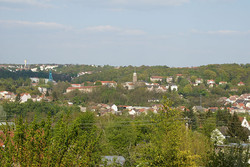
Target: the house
pixel 76 85
pixel 129 85
pixel 109 83
pixel 198 81
pixel 169 79
pixel 34 80
pixel 7 95
pixel 222 83
pixel 210 82
pixel 178 75
pixel 241 84
pixel 24 97
pixel 213 109
pixel 156 78
pixel 232 99
pixel 211 85
pixel 132 112
pixel 198 109
pixel 84 89
pixel 42 90
pixel 33 69
pixel 174 87
pixel 244 122
pixel 240 105
pixel 114 107
pixel 161 89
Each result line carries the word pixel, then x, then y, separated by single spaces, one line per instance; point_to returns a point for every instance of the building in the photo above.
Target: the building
pixel 210 82
pixel 84 89
pixel 109 83
pixel 24 97
pixel 174 87
pixel 222 83
pixel 156 78
pixel 42 89
pixel 134 77
pixel 241 84
pixel 198 81
pixel 169 79
pixel 76 85
pixel 34 80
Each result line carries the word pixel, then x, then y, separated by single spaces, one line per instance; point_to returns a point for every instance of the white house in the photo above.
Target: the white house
pixel 169 79
pixel 198 81
pixel 34 80
pixel 132 112
pixel 109 83
pixel 114 107
pixel 241 84
pixel 156 78
pixel 174 87
pixel 244 123
pixel 24 97
pixel 210 82
pixel 42 89
pixel 129 85
pixel 222 83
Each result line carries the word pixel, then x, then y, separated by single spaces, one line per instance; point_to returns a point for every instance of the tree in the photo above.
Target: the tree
pixel 236 131
pixel 208 126
pixel 98 83
pixel 187 89
pixel 209 74
pixel 18 97
pixel 227 157
pixel 166 147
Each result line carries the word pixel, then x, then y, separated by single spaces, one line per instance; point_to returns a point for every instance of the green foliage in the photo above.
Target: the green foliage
pixel 167 142
pixel 235 130
pixel 30 109
pixel 41 144
pixel 227 157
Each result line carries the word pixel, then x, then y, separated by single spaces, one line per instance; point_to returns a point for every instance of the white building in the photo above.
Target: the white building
pixel 24 97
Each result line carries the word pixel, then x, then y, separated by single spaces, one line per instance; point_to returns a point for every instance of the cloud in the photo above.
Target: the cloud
pixel 221 32
pixel 19 23
pixel 57 26
pixel 120 31
pixel 133 32
pixel 38 3
pixel 102 28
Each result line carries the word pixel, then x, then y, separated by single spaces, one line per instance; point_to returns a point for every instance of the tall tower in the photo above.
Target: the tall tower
pixel 25 64
pixel 134 77
pixel 50 76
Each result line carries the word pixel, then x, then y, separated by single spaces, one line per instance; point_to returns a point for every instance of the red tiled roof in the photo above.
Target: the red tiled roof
pixel 108 82
pixel 24 94
pixel 82 87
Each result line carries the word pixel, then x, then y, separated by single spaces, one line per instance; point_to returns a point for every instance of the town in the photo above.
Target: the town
pixel 212 99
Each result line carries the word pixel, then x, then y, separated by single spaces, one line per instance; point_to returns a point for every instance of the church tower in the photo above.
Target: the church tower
pixel 134 77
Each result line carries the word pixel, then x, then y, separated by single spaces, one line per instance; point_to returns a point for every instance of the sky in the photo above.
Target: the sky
pixel 176 33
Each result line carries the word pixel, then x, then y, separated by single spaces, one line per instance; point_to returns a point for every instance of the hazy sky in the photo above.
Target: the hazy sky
pixel 125 32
